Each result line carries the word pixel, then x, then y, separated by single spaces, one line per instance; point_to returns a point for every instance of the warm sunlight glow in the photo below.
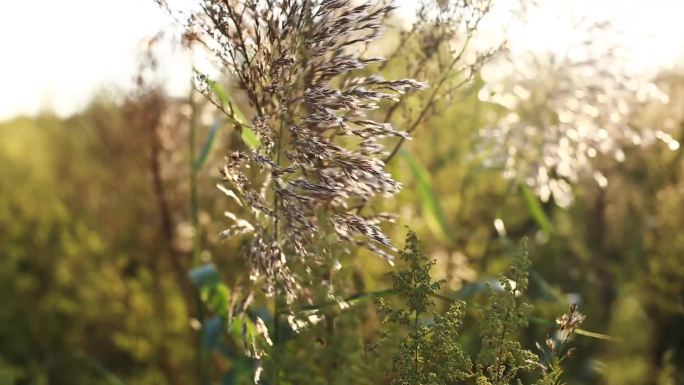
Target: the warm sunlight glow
pixel 59 58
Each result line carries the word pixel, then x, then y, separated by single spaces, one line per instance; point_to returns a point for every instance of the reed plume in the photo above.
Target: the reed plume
pixel 319 152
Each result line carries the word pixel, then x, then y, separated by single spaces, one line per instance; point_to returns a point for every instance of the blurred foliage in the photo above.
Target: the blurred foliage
pixel 86 284
pixel 96 240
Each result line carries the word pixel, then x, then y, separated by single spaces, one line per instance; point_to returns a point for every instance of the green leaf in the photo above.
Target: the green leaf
pixel 430 203
pixel 578 331
pixel 247 134
pixel 211 332
pixel 204 276
pixel 220 92
pixel 351 300
pixel 242 330
pixel 249 137
pixel 204 152
pixel 537 211
pixel 217 299
pixel 468 290
pixel 599 336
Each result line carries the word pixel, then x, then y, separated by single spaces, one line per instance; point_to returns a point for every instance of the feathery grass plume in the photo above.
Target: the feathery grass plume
pixel 318 154
pixel 446 45
pixel 437 48
pixel 565 108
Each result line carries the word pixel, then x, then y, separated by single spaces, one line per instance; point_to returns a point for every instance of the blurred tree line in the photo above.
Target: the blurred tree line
pixel 103 214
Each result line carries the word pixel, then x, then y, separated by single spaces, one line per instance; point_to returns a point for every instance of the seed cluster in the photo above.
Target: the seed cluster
pixel 319 156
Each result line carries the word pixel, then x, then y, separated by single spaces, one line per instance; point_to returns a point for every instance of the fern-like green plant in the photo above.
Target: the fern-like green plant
pixel 502 356
pixel 429 352
pixel 505 312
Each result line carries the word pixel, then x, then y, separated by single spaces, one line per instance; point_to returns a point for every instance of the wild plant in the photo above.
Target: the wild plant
pixel 438 47
pixel 430 351
pixel 556 350
pixel 313 157
pixel 318 154
pixel 565 109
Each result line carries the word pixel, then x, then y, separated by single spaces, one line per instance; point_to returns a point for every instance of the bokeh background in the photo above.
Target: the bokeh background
pixel 569 137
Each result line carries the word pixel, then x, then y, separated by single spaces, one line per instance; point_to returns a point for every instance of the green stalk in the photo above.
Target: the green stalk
pixel 196 235
pixel 196 232
pixel 276 295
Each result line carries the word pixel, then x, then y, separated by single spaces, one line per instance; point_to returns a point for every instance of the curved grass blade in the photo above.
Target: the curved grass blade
pixel 247 134
pixel 537 211
pixel 430 202
pixel 206 147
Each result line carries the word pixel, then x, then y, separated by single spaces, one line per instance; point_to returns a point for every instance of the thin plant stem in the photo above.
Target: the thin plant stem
pixel 196 234
pixel 276 294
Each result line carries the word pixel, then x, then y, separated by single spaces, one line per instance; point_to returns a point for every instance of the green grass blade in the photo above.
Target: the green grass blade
pixel 536 210
pixel 247 134
pixel 204 276
pixel 429 200
pixel 206 147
